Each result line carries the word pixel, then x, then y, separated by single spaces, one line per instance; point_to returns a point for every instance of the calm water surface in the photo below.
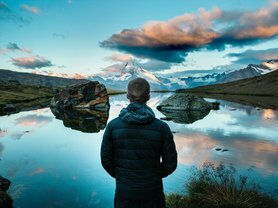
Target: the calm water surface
pixel 51 165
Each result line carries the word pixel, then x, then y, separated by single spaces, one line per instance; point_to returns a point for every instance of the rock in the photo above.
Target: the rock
pixel 165 119
pixel 214 105
pixel 4 183
pixel 184 102
pixel 5 200
pixel 184 108
pixel 217 149
pixel 224 150
pixel 89 95
pixel 89 121
pixel 9 108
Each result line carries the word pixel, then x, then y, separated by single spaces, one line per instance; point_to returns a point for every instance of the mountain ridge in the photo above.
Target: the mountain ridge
pixel 264 85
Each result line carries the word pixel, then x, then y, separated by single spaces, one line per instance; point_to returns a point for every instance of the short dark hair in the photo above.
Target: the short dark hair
pixel 138 90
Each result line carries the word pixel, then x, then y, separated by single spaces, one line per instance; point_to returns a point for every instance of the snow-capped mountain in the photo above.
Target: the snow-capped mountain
pixel 119 79
pixel 251 70
pixel 63 75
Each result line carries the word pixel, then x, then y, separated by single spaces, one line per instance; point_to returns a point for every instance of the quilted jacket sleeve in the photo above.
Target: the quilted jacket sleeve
pixel 107 152
pixel 169 153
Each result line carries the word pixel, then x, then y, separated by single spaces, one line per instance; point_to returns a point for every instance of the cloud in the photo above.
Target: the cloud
pixel 31 9
pixel 254 56
pixel 14 47
pixel 112 68
pixel 11 47
pixel 6 14
pixel 4 7
pixel 155 65
pixel 32 62
pixel 172 40
pixel 119 58
pixel 59 35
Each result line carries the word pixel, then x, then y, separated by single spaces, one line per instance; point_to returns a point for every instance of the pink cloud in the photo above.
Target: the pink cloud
pixel 37 171
pixel 172 40
pixel 32 9
pixel 31 62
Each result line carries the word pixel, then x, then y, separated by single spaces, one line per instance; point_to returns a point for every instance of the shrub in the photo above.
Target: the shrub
pixel 220 186
pixel 176 201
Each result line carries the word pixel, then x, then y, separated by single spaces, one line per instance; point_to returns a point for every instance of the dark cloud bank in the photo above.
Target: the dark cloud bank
pixel 172 40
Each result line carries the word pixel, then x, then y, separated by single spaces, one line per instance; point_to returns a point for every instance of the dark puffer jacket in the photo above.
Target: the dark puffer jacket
pixel 138 151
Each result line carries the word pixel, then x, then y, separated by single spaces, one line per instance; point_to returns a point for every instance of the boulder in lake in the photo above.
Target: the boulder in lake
pixel 184 102
pixel 89 95
pixel 184 108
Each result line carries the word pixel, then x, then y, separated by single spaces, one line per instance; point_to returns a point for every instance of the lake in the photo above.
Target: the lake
pixel 56 163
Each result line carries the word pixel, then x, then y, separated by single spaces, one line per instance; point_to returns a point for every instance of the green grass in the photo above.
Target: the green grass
pixel 24 97
pixel 220 186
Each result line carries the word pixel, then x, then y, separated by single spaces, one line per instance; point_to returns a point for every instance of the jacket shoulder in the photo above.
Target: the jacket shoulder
pixel 114 122
pixel 160 123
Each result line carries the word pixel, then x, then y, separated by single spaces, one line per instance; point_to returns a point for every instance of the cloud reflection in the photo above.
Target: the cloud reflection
pixel 268 114
pixel 33 120
pixel 37 171
pixel 196 148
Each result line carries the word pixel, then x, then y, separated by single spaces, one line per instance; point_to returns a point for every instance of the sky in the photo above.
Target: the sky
pixel 164 36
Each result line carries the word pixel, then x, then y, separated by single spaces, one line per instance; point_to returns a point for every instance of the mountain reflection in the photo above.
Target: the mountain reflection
pixel 89 121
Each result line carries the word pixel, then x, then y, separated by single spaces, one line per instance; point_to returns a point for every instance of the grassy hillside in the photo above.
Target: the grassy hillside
pixel 265 85
pixel 24 97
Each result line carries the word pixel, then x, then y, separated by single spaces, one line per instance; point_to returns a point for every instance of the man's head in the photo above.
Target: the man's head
pixel 138 90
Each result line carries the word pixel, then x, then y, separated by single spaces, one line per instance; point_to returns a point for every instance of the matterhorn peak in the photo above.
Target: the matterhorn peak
pixel 131 67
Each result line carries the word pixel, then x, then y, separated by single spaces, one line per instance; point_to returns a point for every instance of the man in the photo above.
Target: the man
pixel 138 151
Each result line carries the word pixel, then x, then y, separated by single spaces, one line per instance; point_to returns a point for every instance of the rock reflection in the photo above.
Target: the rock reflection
pixel 185 117
pixel 5 199
pixel 89 121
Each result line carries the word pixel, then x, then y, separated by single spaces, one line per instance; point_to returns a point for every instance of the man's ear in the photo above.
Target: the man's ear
pixel 148 97
pixel 127 96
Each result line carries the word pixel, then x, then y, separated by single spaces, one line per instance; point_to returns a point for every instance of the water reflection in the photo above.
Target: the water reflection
pixel 240 149
pixel 60 167
pixel 5 199
pixel 269 114
pixel 185 117
pixel 90 121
